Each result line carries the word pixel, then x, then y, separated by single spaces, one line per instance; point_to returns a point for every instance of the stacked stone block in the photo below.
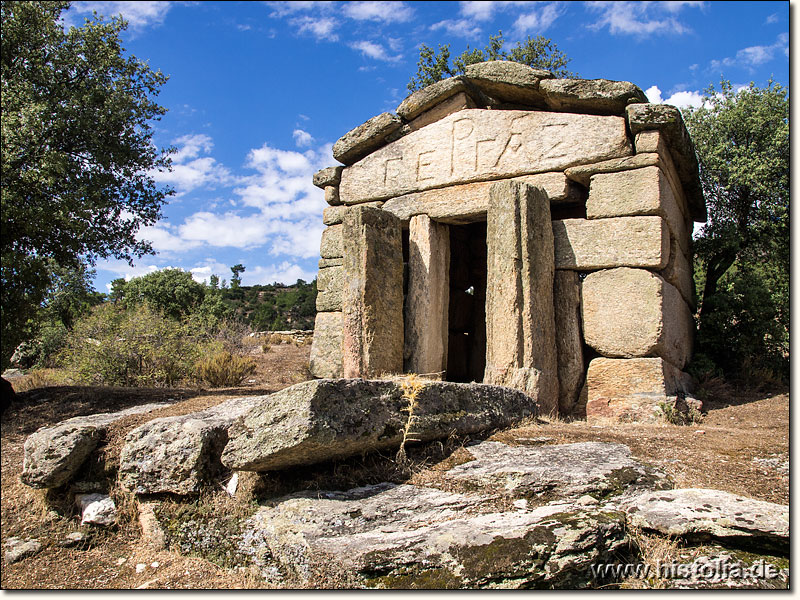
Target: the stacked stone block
pixel 620 180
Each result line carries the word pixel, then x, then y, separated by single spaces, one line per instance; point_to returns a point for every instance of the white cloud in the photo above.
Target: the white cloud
pixel 281 9
pixel 190 170
pixel 536 21
pixel 640 18
pixel 122 269
pixel 458 27
pixel 165 238
pixel 681 99
pixel 322 28
pixel 139 14
pixel 302 138
pixel 754 56
pixel 286 272
pixel 772 19
pixel 209 267
pixel 387 12
pixel 653 94
pixel 484 11
pixel 373 50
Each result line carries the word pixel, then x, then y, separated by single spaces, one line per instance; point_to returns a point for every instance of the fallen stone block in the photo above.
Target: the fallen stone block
pixel 600 470
pixel 19 550
pixel 327 419
pixel 631 313
pixel 635 390
pixel 595 96
pixel 404 536
pixel 96 509
pixel 179 454
pixel 53 455
pixel 700 515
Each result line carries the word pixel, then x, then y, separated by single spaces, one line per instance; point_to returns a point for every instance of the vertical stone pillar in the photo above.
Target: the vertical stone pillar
pixel 520 322
pixel 426 312
pixel 372 298
pixel 569 341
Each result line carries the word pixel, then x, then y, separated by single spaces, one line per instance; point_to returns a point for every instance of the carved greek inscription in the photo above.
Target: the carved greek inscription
pixel 425 165
pixel 550 150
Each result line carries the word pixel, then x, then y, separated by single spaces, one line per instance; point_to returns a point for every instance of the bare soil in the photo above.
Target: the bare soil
pixel 739 427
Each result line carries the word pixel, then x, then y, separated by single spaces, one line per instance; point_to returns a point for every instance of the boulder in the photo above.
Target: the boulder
pixel 590 244
pixel 53 455
pixel 468 203
pixel 482 145
pixel 329 419
pixel 405 537
pixel 508 81
pixel 631 313
pixel 325 360
pixel 179 455
pixel 594 96
pixel 598 469
pixel 96 509
pixel 359 142
pixel 635 390
pixel 700 515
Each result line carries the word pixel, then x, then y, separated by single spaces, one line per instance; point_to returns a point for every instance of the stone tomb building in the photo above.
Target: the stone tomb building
pixel 511 228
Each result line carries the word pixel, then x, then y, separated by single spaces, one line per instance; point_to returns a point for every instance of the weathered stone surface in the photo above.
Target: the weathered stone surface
pixel 328 176
pixel 634 389
pixel 179 454
pixel 429 96
pixel 428 298
pixel 520 321
pixel 54 454
pixel 334 215
pixel 701 514
pixel 468 203
pixel 481 145
pixel 447 107
pixel 406 536
pixel 584 245
pixel 679 273
pixel 583 173
pixel 601 470
pixel 96 509
pixel 596 96
pixel 330 282
pixel 152 533
pixel 332 196
pixel 372 327
pixel 569 340
pixel 509 81
pixel 330 245
pixel 19 549
pixel 631 313
pixel 326 419
pixel 324 263
pixel 653 141
pixel 357 143
pixel 643 191
pixel 668 120
pixel 326 347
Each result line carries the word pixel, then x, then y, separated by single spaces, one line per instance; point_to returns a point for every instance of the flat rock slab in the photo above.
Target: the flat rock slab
pixel 179 454
pixel 700 515
pixel 598 469
pixel 54 454
pixel 322 420
pixel 406 536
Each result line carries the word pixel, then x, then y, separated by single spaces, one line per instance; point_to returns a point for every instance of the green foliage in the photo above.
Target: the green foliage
pixel 77 153
pixel 538 52
pixel 742 253
pixel 223 369
pixel 141 347
pixel 236 278
pixel 171 291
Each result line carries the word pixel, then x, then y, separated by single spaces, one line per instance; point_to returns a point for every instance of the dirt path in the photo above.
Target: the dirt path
pixel 742 446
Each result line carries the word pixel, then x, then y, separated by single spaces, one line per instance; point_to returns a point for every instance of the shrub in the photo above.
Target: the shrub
pixel 138 347
pixel 223 369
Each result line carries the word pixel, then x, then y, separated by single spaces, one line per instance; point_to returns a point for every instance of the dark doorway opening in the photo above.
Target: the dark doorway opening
pixel 466 347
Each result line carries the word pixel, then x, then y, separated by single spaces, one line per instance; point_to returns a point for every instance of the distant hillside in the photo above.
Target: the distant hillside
pixel 274 307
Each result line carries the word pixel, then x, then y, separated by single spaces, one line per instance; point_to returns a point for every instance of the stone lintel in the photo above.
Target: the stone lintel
pixel 366 138
pixel 594 96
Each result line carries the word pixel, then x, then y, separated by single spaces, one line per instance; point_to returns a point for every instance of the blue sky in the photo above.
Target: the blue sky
pixel 260 91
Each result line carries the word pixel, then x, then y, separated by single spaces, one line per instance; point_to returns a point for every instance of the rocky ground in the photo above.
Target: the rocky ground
pixel 442 491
